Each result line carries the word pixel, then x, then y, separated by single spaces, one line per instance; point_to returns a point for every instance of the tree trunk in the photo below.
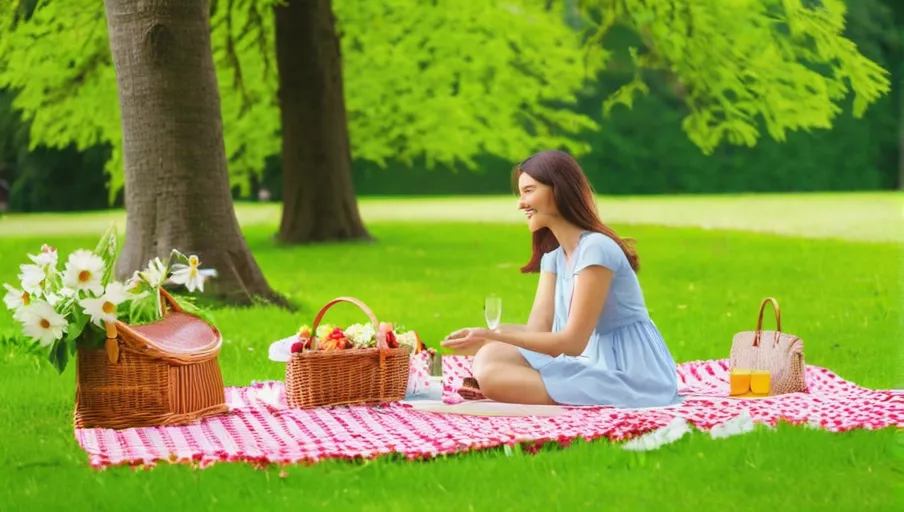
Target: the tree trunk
pixel 319 202
pixel 176 182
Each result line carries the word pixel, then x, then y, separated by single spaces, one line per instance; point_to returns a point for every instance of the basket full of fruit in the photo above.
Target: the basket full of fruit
pixel 363 364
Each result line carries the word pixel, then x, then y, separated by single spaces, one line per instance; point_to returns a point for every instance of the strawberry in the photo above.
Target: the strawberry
pixel 391 340
pixel 305 342
pixel 298 346
pixel 386 329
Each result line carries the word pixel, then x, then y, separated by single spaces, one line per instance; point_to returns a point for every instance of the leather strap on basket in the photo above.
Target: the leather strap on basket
pixel 381 338
pixel 759 321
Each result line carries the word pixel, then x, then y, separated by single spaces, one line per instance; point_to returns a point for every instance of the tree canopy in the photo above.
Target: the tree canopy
pixel 450 80
pixel 446 82
pixel 785 62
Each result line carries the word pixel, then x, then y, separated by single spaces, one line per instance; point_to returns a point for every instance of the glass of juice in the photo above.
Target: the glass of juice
pixel 739 381
pixel 760 382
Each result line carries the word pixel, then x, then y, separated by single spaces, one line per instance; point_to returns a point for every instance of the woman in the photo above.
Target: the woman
pixel 589 339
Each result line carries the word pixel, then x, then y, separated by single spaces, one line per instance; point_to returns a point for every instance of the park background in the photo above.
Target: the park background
pixel 814 220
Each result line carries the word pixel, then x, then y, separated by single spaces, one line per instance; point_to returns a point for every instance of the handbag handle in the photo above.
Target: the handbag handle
pixel 759 320
pixel 381 337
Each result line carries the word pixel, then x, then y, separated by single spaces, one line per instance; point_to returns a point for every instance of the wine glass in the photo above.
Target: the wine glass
pixel 492 311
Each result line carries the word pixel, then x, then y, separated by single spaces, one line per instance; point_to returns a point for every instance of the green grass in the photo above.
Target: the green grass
pixel 875 216
pixel 702 286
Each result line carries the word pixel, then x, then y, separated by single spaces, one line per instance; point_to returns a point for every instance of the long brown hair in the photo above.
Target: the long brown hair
pixel 573 195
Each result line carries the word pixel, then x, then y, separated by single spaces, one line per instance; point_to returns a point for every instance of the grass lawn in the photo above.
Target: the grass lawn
pixel 842 297
pixel 868 216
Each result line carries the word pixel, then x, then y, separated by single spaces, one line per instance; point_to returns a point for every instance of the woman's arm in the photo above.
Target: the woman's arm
pixel 543 310
pixel 512 328
pixel 591 287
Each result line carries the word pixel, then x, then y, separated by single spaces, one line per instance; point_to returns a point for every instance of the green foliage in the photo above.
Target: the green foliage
pixel 738 62
pixel 58 61
pixel 476 84
pixel 450 80
pixel 443 80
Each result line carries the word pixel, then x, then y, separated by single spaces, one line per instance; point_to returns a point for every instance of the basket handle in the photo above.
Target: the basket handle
pixel 168 302
pixel 759 320
pixel 112 346
pixel 381 338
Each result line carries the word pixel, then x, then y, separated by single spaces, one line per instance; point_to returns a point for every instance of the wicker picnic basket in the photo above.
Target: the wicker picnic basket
pixel 319 378
pixel 163 373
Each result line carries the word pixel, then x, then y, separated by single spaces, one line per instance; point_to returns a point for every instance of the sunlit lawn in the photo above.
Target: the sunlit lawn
pixel 842 298
pixel 869 216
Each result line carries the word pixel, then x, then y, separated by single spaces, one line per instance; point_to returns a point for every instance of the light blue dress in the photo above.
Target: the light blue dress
pixel 626 363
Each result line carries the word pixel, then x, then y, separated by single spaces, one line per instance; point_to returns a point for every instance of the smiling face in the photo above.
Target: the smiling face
pixel 537 201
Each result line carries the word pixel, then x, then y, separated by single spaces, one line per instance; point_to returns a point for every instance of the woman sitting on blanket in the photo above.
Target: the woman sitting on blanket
pixel 589 339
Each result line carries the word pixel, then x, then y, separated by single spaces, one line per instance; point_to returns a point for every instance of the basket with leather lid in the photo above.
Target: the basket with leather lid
pixel 162 373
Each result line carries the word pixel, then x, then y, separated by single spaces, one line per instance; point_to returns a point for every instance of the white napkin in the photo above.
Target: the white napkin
pixel 281 350
pixel 675 430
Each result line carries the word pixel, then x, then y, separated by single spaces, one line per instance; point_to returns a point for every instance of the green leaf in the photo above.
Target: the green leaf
pixel 76 325
pixel 187 304
pixel 143 309
pixel 108 250
pixel 59 355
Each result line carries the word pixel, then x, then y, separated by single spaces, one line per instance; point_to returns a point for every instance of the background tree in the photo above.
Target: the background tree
pixel 409 68
pixel 177 190
pixel 437 82
pixel 319 201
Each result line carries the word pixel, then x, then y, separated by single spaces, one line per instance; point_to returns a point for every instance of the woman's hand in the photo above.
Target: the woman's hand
pixel 472 337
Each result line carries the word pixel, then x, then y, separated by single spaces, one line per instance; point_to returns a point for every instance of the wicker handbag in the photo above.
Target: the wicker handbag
pixel 319 378
pixel 767 362
pixel 163 373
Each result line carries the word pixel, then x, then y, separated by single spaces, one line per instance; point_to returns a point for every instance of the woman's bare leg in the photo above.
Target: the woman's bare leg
pixel 505 376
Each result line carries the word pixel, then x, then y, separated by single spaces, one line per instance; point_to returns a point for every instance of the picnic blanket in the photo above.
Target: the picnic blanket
pixel 261 430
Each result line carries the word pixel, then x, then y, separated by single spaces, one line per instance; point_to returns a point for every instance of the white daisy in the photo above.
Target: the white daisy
pixel 84 271
pixel 33 278
pixel 188 274
pixel 16 299
pixel 103 308
pixel 134 281
pixel 155 274
pixel 47 258
pixel 52 298
pixel 42 324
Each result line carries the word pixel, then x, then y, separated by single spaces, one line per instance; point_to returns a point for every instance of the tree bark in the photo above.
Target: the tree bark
pixel 319 203
pixel 176 182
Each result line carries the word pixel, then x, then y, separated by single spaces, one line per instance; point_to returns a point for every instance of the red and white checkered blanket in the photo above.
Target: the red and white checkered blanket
pixel 261 430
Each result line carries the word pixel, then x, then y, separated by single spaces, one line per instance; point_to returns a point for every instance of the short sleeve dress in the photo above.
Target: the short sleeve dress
pixel 626 363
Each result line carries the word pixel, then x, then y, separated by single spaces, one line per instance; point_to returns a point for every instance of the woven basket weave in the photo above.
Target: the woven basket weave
pixel 163 373
pixel 319 378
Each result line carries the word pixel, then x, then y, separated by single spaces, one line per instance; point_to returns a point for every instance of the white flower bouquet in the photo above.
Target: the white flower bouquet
pixel 63 309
